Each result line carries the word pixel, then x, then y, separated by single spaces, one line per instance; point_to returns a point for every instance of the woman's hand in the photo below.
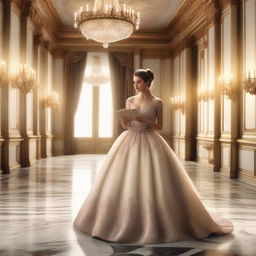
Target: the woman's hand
pixel 140 119
pixel 125 123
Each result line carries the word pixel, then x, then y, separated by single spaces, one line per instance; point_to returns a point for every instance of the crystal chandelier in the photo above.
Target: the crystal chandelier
pixel 96 76
pixel 107 21
pixel 97 79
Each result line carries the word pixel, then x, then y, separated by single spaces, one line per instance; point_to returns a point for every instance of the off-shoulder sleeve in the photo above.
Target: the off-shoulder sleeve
pixel 159 105
pixel 128 103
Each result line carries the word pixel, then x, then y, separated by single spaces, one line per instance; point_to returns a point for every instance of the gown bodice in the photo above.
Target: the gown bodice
pixel 148 110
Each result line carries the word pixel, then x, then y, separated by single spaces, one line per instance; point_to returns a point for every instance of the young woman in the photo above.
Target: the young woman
pixel 142 193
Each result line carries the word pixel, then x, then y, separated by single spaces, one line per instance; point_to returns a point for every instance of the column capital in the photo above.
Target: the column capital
pixel 213 12
pixel 228 3
pixel 10 1
pixel 38 39
pixel 167 53
pixel 58 53
pixel 25 7
pixel 186 42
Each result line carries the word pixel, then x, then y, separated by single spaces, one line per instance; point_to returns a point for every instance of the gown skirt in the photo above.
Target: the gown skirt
pixel 143 194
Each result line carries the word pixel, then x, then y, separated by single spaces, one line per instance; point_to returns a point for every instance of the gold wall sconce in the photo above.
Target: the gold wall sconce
pixel 52 101
pixel 226 86
pixel 178 103
pixel 205 94
pixel 3 72
pixel 25 79
pixel 209 148
pixel 249 83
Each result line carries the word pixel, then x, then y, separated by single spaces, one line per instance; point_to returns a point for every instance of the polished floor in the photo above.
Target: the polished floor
pixel 38 205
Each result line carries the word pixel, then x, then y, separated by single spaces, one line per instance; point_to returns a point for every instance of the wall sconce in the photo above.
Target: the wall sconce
pixel 202 94
pixel 52 101
pixel 205 94
pixel 178 103
pixel 3 72
pixel 250 83
pixel 209 148
pixel 226 87
pixel 25 79
pixel 211 93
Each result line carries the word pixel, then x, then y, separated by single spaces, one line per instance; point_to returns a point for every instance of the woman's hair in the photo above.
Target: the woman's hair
pixel 146 74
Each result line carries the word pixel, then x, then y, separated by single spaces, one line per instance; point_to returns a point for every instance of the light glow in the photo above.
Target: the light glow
pixel 105 111
pixel 83 116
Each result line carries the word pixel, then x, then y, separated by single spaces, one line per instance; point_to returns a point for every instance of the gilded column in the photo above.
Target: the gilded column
pixel 229 103
pixel 189 96
pixel 214 45
pixel 28 145
pixel 43 71
pixel 58 115
pixel 38 65
pixel 10 96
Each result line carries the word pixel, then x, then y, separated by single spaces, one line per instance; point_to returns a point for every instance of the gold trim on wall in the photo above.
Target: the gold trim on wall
pixel 153 53
pixel 227 3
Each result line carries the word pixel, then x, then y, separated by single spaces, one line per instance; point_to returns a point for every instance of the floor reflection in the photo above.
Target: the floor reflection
pixel 38 205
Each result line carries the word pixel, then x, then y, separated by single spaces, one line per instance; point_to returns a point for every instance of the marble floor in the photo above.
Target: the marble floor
pixel 38 205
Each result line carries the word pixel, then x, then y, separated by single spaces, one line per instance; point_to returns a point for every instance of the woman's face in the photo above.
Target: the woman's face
pixel 139 84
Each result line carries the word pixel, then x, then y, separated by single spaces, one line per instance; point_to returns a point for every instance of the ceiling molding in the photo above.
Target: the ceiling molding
pixel 191 21
pixel 227 3
pixel 46 17
pixel 53 13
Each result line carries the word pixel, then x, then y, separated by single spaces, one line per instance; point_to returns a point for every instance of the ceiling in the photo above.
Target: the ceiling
pixel 155 14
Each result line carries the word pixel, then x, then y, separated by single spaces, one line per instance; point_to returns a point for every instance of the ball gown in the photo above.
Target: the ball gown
pixel 143 194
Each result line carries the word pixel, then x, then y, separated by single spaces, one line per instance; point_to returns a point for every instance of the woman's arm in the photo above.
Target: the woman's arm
pixel 158 125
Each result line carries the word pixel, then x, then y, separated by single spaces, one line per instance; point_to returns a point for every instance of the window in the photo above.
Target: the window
pixel 94 116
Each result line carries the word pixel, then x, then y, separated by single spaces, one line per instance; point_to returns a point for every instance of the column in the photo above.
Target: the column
pixel 37 63
pixel 10 96
pixel 28 145
pixel 229 105
pixel 59 114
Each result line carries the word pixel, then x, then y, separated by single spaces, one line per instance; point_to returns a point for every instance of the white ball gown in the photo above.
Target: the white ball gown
pixel 142 193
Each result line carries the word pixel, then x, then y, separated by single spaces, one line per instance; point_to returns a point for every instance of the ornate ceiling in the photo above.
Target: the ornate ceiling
pixel 155 14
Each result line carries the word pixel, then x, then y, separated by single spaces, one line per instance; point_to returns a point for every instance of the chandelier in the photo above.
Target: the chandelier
pixel 107 22
pixel 96 76
pixel 97 79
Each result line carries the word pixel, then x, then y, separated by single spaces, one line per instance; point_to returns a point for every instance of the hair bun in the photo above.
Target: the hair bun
pixel 151 74
pixel 146 74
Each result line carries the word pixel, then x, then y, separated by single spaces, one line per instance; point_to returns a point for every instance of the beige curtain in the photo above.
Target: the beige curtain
pixel 121 72
pixel 74 69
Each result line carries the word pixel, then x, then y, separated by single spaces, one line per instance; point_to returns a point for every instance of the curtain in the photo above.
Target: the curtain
pixel 121 73
pixel 74 69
